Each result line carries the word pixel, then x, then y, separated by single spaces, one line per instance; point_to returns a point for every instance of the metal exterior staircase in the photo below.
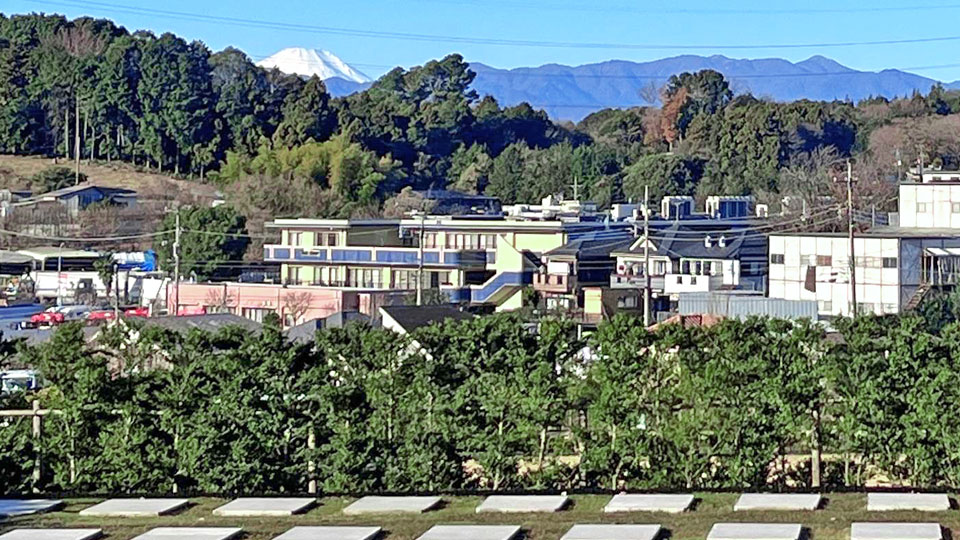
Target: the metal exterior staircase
pixel 917 297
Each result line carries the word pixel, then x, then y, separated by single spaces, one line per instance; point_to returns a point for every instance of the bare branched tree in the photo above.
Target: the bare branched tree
pixel 295 305
pixel 220 299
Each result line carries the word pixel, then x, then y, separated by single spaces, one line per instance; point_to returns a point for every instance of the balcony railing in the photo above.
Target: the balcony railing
pixel 381 256
pixel 346 284
pixel 554 283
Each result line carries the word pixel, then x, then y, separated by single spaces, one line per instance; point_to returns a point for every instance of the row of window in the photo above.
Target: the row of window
pixel 926 207
pixel 827 260
pixel 701 268
pixel 461 241
pixel 297 238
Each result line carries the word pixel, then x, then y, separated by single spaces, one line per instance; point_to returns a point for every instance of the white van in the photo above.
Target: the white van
pixel 19 380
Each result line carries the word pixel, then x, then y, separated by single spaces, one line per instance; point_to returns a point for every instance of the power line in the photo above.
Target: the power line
pixel 434 38
pixel 84 239
pixel 698 11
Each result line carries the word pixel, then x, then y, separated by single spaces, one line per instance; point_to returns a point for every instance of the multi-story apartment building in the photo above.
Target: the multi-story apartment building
pixel 477 260
pixel 894 266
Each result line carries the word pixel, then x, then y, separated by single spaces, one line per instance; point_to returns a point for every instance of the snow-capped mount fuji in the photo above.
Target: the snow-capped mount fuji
pixel 310 62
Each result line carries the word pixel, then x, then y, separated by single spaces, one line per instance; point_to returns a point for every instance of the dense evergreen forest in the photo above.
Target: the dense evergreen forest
pixel 282 145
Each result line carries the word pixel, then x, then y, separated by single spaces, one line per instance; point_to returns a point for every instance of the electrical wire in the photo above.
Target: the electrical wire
pixel 697 11
pixel 87 239
pixel 403 36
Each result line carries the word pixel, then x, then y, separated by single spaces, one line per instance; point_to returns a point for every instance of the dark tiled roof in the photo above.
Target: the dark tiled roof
pixel 681 241
pixel 36 336
pixel 211 322
pixel 592 248
pixel 413 317
pixel 305 332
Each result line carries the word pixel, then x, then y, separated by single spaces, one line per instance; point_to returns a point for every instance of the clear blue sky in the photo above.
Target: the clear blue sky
pixel 702 24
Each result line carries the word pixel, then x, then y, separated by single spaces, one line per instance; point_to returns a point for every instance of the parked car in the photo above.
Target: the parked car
pixel 19 380
pixel 137 312
pixel 47 318
pixel 100 315
pixel 75 312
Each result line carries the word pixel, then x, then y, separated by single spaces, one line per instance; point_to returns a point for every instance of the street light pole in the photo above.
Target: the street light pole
pixel 59 270
pixel 420 262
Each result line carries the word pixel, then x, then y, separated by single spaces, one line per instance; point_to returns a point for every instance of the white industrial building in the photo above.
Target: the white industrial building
pixel 895 266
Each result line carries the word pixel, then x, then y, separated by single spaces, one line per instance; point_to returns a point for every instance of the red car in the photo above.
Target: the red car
pixel 137 312
pixel 47 317
pixel 101 315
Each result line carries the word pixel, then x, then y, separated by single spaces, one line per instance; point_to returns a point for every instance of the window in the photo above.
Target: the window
pixel 661 268
pixel 697 267
pixel 685 267
pixel 824 260
pixel 889 308
pixel 294 277
pixel 488 241
pixel 825 306
pixel 889 262
pixel 955 208
pixel 256 314
pixel 430 240
pixel 923 208
pixel 869 262
pixel 680 280
pixel 363 277
pixel 295 238
pixel 627 302
pixel 776 258
pixel 332 239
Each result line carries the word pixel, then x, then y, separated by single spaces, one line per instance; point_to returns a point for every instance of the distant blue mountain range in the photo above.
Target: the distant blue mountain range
pixel 571 93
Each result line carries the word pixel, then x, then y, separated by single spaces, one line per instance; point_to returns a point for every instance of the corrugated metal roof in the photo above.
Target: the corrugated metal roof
pixel 741 306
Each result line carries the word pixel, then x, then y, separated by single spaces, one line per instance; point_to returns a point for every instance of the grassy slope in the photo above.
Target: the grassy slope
pixel 114 174
pixel 830 523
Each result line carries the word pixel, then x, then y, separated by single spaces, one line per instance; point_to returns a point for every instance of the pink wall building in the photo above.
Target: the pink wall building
pixel 294 304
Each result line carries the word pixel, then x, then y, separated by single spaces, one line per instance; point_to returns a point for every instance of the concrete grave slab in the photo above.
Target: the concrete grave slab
pixel 929 502
pixel 135 507
pixel 777 501
pixel 895 531
pixel 612 532
pixel 471 532
pixel 391 505
pixel 523 503
pixel 52 534
pixel 23 507
pixel 754 531
pixel 265 506
pixel 190 533
pixel 330 533
pixel 649 502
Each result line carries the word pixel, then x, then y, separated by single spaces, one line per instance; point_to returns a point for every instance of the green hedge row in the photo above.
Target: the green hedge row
pixel 490 404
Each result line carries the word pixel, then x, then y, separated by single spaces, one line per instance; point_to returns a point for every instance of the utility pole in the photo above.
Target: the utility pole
pixel 899 165
pixel 853 262
pixel 76 138
pixel 920 162
pixel 646 256
pixel 176 264
pixel 420 261
pixel 116 292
